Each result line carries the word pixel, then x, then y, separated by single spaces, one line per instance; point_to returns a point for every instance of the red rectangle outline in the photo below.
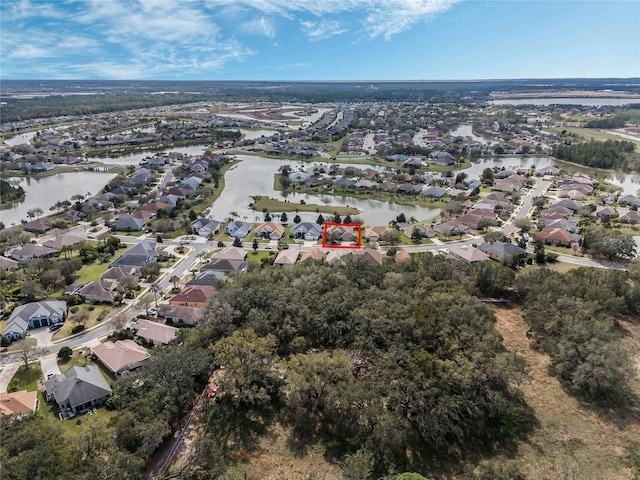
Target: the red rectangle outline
pixel 352 225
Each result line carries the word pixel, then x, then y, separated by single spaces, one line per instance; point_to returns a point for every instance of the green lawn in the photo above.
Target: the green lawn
pixel 93 271
pixel 26 379
pixel 65 331
pixel 256 257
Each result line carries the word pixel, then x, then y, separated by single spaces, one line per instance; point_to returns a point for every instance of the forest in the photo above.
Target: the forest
pixel 393 368
pixel 610 154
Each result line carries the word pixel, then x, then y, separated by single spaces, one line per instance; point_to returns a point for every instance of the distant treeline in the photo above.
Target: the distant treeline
pixel 608 154
pixel 621 118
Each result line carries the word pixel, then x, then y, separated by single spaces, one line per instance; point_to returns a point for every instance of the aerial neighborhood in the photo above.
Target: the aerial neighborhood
pixel 199 206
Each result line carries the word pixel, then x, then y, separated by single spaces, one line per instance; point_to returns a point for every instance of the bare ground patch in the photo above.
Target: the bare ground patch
pixel 572 441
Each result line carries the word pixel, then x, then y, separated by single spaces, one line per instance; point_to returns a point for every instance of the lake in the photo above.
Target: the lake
pixel 45 192
pixel 255 176
pixel 591 101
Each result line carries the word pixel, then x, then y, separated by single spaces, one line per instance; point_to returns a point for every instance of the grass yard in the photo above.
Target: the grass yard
pixel 256 257
pixel 91 321
pixel 271 205
pixel 26 379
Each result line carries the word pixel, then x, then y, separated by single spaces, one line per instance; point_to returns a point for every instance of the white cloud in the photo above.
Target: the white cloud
pixel 323 29
pixel 259 26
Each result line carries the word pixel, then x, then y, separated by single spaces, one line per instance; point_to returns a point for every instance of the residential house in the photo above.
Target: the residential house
pixel 18 404
pixel 154 332
pixel 554 236
pixel 299 177
pixel 307 230
pixel 441 158
pixel 212 278
pixel 371 256
pixel 451 228
pixel 177 313
pixel 467 254
pixel 193 296
pixel 435 192
pixel 121 356
pixel 41 225
pixel 80 388
pixel 606 212
pixel 286 257
pixel 130 222
pixel 34 315
pixel 631 216
pixel 205 226
pixel 315 254
pixel 402 256
pixel 138 255
pixel 270 230
pixel 503 252
pixel 514 183
pixel 340 234
pixel 238 229
pixel 58 243
pixel 98 292
pixel 335 257
pixel 423 230
pixel 373 234
pixel 228 260
pixel 29 251
pixel 7 263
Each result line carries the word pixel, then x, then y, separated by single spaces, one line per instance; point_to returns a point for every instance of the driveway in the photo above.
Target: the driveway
pixel 7 374
pixel 49 365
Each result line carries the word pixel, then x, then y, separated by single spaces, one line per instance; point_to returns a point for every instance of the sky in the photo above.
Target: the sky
pixel 318 39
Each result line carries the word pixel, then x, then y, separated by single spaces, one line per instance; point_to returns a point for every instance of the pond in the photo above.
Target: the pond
pixel 255 176
pixel 45 192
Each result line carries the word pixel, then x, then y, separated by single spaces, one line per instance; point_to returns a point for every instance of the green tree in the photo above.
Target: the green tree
pixel 251 375
pixel 65 352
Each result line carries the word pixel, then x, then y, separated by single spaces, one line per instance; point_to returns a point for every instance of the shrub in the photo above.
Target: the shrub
pixel 65 352
pixel 77 329
pixel 74 309
pixel 102 315
pixel 91 308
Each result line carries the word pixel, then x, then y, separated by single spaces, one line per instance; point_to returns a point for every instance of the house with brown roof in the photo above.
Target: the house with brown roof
pixel 121 356
pixel 271 230
pixel 177 313
pixel 29 251
pixel 286 257
pixel 468 254
pixel 41 225
pixel 316 254
pixel 554 236
pixel 373 234
pixel 98 292
pixel 193 296
pixel 18 404
pixel 155 332
pixel 371 256
pixel 402 256
pixel 65 240
pixel 631 216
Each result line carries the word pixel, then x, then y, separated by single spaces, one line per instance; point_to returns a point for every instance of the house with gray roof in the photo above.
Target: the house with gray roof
pixel 502 252
pixel 180 313
pixel 307 230
pixel 34 315
pixel 29 251
pixel 205 226
pixel 138 255
pixel 78 389
pixel 130 223
pixel 238 229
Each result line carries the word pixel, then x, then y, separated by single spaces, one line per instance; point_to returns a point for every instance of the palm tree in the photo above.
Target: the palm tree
pixel 155 288
pixel 175 280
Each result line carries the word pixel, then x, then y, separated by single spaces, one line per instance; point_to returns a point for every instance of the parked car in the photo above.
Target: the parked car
pixel 55 327
pixel 152 311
